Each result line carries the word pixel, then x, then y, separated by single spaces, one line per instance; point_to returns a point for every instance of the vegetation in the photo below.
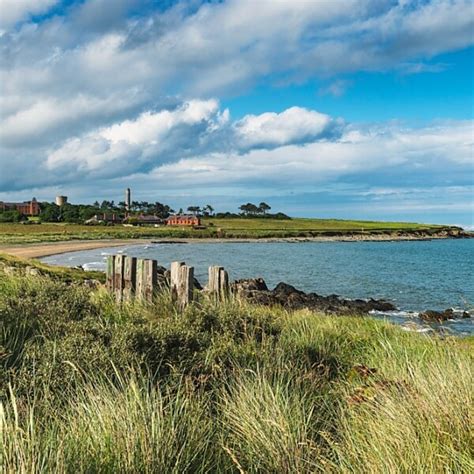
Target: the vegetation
pixel 88 386
pixel 216 227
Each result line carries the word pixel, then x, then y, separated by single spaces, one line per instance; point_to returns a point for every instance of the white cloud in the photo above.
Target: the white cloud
pixel 293 125
pixel 12 11
pixel 130 145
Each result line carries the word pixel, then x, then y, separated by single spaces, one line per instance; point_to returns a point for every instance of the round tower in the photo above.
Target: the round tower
pixel 128 199
pixel 61 200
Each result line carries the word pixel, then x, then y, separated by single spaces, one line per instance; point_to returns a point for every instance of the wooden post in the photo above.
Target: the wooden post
pixel 218 285
pixel 223 284
pixel 182 283
pixel 151 278
pixel 118 277
pixel 185 286
pixel 130 277
pixel 110 272
pixel 140 281
pixel 174 279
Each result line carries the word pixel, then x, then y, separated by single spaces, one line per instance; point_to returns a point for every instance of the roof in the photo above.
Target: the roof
pixel 183 216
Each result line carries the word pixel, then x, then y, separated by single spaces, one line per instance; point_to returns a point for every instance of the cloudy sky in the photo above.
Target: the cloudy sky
pixel 330 108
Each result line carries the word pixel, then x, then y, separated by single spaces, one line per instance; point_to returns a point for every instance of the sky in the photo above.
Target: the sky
pixel 358 109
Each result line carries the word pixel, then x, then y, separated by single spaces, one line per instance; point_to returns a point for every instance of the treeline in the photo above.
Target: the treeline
pixel 79 213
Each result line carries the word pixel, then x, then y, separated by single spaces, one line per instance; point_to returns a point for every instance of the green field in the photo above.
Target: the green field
pixel 87 386
pixel 225 228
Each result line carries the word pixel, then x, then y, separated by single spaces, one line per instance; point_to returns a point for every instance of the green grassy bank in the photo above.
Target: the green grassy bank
pixel 224 228
pixel 87 386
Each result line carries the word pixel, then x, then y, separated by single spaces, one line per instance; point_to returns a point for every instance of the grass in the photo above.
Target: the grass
pixel 22 265
pixel 87 386
pixel 230 228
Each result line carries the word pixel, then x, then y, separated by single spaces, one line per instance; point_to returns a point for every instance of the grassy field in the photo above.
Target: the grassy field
pixel 87 386
pixel 230 228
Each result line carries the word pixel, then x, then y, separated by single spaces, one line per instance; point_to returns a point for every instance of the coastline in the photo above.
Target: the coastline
pixel 46 249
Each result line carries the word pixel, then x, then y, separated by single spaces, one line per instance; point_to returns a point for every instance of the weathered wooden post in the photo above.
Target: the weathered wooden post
pixel 151 278
pixel 130 277
pixel 185 286
pixel 174 278
pixel 182 283
pixel 109 275
pixel 218 285
pixel 118 277
pixel 140 279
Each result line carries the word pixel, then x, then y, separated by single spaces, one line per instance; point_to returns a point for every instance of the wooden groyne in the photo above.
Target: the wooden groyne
pixel 131 277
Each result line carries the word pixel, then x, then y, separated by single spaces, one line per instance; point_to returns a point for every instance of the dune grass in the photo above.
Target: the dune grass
pixel 87 386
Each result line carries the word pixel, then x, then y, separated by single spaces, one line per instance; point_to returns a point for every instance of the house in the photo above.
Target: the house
pixel 27 208
pixel 104 218
pixel 143 219
pixel 184 220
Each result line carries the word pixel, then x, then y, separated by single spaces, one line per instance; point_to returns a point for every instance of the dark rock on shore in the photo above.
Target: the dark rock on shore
pixel 256 291
pixel 440 316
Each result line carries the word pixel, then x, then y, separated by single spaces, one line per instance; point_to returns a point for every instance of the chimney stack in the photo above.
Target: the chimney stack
pixel 128 201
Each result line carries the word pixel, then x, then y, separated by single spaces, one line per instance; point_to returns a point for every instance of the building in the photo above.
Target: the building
pixel 106 218
pixel 144 220
pixel 27 208
pixel 61 200
pixel 185 220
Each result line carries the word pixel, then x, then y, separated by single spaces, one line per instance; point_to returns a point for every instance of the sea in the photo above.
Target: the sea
pixel 414 275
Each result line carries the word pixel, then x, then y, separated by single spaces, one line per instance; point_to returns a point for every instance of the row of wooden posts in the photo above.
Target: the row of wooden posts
pixel 131 277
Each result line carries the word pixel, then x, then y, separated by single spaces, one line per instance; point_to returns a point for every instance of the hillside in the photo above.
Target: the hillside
pixel 225 228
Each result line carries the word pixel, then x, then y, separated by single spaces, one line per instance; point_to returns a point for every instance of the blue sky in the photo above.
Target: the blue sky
pixel 348 108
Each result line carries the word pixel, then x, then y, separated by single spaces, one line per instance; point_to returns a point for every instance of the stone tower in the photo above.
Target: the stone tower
pixel 128 199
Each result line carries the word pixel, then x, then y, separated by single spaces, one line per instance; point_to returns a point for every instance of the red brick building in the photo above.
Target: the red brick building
pixel 183 220
pixel 28 208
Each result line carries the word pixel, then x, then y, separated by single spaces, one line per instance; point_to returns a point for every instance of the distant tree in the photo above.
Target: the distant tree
pixel 162 210
pixel 196 210
pixel 50 212
pixel 180 212
pixel 96 204
pixel 208 210
pixel 10 216
pixel 263 207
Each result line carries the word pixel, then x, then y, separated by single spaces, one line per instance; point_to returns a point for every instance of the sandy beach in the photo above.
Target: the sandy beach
pixel 55 248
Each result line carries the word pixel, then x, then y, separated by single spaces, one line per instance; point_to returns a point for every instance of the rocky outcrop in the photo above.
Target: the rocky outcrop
pixel 439 316
pixel 256 291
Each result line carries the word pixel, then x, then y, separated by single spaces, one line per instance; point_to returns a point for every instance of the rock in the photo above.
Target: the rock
pixel 285 290
pixel 437 316
pixel 466 314
pixel 256 291
pixel 247 285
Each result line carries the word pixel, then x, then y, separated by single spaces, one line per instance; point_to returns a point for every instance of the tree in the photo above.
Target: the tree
pixel 196 210
pixel 50 212
pixel 249 209
pixel 263 207
pixel 208 210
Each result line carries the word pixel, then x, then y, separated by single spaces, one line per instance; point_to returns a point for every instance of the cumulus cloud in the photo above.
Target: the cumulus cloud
pixel 91 55
pixel 294 125
pixel 13 11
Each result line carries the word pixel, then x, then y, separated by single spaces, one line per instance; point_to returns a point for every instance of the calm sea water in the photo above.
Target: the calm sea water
pixel 415 275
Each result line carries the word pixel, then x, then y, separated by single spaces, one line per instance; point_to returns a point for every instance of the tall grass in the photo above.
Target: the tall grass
pixel 87 386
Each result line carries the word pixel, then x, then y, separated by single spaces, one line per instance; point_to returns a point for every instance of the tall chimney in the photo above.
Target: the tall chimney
pixel 128 201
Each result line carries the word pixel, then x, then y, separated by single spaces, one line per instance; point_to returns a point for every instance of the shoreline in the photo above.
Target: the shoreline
pixel 46 249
